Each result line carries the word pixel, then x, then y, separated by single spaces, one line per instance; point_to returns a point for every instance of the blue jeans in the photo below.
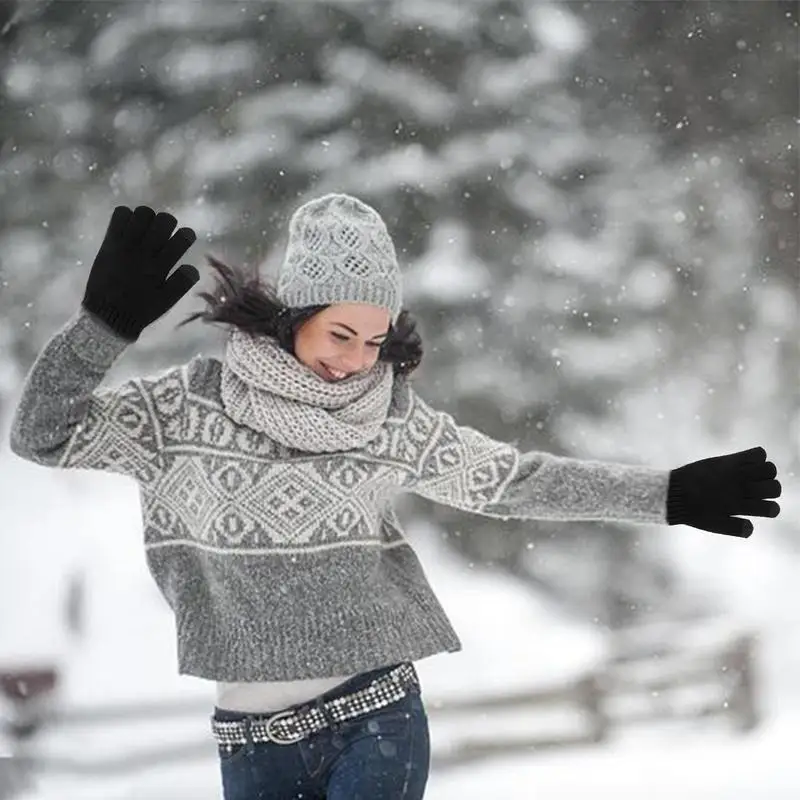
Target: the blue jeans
pixel 382 755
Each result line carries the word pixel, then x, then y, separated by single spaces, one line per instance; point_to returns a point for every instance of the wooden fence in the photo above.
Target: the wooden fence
pixel 652 675
pixel 639 684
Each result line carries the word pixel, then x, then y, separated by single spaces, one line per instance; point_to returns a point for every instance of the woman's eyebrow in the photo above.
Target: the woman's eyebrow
pixel 355 333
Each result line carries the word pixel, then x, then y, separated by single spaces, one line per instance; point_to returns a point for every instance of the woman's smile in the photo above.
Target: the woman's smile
pixel 332 374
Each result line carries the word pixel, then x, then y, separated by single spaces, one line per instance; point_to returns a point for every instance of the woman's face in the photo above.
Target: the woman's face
pixel 342 339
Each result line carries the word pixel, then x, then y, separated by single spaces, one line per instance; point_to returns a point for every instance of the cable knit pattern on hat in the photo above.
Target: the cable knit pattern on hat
pixel 339 251
pixel 269 390
pixel 280 563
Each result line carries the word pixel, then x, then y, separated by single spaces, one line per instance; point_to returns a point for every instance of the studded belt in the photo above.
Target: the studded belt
pixel 290 726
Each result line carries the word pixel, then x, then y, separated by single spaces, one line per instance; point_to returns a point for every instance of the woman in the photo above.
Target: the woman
pixel 267 479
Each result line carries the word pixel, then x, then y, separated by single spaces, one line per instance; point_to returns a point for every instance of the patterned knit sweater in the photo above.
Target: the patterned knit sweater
pixel 280 564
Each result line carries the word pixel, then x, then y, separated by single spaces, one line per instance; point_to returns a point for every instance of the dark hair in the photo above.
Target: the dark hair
pixel 249 304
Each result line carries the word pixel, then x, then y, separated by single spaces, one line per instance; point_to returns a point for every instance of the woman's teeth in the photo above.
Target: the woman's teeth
pixel 334 373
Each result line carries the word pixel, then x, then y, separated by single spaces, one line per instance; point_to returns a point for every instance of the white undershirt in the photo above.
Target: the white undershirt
pixel 259 697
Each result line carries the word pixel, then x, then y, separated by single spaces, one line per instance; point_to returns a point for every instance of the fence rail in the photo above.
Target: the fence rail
pixel 640 682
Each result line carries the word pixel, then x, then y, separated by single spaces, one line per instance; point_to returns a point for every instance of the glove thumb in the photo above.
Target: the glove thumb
pixel 729 526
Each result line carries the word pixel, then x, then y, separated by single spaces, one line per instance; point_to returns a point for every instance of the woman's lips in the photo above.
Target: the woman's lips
pixel 331 374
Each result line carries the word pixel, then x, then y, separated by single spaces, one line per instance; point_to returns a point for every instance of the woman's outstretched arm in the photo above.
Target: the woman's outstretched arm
pixel 464 468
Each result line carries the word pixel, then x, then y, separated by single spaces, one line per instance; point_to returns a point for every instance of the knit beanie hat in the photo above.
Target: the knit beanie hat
pixel 339 251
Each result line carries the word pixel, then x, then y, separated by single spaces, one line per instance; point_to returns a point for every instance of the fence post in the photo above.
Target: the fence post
pixel 742 702
pixel 15 777
pixel 591 693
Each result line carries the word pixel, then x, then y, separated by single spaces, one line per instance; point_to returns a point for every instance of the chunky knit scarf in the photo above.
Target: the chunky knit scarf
pixel 268 389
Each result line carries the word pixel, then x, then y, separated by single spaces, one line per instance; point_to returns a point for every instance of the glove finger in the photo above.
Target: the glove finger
pixel 172 290
pixel 758 490
pixel 118 222
pixel 139 223
pixel 178 284
pixel 759 508
pixel 157 235
pixel 175 249
pixel 755 455
pixel 759 472
pixel 730 526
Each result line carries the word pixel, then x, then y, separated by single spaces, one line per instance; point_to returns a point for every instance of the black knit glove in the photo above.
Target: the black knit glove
pixel 707 494
pixel 129 284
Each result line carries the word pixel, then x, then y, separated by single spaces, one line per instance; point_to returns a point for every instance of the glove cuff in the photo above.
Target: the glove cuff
pixel 677 501
pixel 120 321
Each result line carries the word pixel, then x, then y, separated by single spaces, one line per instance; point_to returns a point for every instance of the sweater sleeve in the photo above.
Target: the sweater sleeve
pixel 63 420
pixel 463 468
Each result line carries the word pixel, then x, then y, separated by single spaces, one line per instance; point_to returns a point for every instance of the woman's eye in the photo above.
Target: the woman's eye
pixel 340 337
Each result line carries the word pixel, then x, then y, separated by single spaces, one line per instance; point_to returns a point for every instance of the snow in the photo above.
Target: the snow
pixel 447 272
pixel 34 537
pixel 558 30
pixel 340 147
pixel 242 152
pixel 703 766
pixel 501 83
pixel 197 66
pixel 589 355
pixel 410 165
pixel 120 37
pixel 539 645
pixel 419 97
pixel 302 104
pixel 568 257
pixel 446 17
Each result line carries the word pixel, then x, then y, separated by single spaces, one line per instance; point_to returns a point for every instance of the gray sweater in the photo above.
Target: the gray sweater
pixel 281 564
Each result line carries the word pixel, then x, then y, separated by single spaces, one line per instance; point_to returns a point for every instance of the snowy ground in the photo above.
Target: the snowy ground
pixel 509 640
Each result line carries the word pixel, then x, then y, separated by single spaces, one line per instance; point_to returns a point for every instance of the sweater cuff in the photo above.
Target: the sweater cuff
pixel 676 500
pixel 93 341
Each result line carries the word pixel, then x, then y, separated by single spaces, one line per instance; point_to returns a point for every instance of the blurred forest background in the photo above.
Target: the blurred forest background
pixel 595 205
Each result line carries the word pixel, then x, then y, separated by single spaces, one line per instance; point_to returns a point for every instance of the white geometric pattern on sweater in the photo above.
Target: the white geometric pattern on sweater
pixel 258 504
pixel 125 428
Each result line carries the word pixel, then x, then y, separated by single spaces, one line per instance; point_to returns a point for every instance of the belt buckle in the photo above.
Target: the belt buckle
pixel 273 738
